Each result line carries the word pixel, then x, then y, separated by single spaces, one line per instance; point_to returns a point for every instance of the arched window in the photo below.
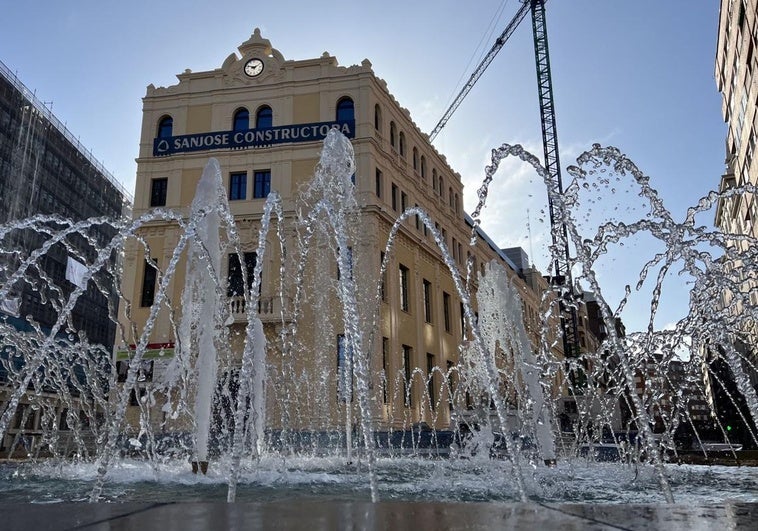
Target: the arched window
pixel 345 110
pixel 415 159
pixel 423 167
pixel 378 118
pixel 457 204
pixel 264 118
pixel 166 127
pixel 441 182
pixel 241 119
pixel 434 179
pixel 450 196
pixel 393 134
pixel 402 144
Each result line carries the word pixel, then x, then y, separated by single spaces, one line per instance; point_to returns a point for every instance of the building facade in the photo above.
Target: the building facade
pixel 44 170
pixel 263 118
pixel 735 68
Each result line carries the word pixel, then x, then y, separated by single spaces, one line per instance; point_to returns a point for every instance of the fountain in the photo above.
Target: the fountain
pixel 248 423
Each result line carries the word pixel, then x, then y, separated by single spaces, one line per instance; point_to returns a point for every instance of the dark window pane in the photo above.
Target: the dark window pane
pixel 158 189
pixel 237 186
pixel 262 184
pixel 166 127
pixel 264 118
pixel 345 110
pixel 241 120
pixel 148 284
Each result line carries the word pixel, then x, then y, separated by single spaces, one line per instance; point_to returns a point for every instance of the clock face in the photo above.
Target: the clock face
pixel 254 67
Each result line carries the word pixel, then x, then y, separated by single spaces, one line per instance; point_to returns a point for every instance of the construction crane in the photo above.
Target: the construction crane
pixel 561 278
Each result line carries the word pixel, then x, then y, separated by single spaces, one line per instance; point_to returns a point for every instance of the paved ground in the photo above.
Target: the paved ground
pixel 312 515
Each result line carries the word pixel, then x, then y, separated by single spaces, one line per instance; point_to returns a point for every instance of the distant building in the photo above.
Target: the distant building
pixel 45 170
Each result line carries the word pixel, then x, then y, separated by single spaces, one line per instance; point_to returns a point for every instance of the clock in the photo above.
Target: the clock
pixel 254 67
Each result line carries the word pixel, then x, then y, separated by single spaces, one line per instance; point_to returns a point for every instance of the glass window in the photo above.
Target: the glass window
pixel 148 283
pixel 394 197
pixel 158 189
pixel 235 286
pixel 262 184
pixel 431 388
pixel 165 127
pixel 446 310
pixel 427 301
pixel 379 183
pixel 241 120
pixel 404 288
pixel 237 186
pixel 264 118
pixel 393 134
pixel 408 372
pixel 402 144
pixel 378 118
pixel 344 374
pixel 423 167
pixel 415 159
pixel 345 110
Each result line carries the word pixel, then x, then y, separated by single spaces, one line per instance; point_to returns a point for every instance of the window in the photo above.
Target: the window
pixel 403 201
pixel 457 204
pixel 427 301
pixel 235 285
pixel 450 197
pixel 379 183
pixel 418 219
pixel 344 370
pixel 463 321
pixel 385 353
pixel 446 310
pixel 349 264
pixel 423 167
pixel 404 291
pixel 407 389
pixel 345 110
pixel 241 120
pixel 384 277
pixel 148 283
pixel 158 190
pixel 450 387
pixel 402 144
pixel 264 118
pixel 434 180
pixel 378 118
pixel 394 197
pixel 441 183
pixel 431 388
pixel 261 184
pixel 393 135
pixel 415 159
pixel 166 127
pixel 237 186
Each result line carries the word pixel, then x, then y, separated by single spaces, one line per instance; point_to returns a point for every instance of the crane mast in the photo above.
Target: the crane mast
pixel 562 266
pixel 561 278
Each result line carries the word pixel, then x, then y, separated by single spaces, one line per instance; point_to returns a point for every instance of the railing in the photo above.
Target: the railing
pixel 269 309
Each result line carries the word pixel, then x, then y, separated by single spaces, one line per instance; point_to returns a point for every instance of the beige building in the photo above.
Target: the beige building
pixel 263 117
pixel 736 63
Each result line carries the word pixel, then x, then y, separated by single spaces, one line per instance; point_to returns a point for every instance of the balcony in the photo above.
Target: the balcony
pixel 269 309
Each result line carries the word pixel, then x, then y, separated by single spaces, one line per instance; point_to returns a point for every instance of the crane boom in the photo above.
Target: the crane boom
pixel 501 40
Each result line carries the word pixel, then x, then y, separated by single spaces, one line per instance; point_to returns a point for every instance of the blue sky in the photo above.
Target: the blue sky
pixel 636 75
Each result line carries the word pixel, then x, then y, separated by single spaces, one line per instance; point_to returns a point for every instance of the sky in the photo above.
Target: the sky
pixel 635 75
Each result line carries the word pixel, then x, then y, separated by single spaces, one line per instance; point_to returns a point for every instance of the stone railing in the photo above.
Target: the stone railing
pixel 269 309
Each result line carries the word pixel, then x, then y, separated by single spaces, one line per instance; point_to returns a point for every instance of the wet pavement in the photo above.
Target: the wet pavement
pixel 335 515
